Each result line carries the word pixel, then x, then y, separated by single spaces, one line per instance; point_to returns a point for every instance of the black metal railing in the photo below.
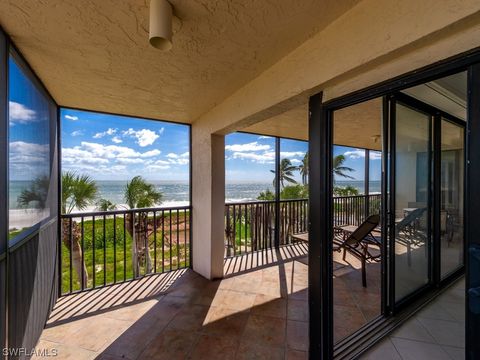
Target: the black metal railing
pixel 353 210
pixel 250 226
pixel 108 247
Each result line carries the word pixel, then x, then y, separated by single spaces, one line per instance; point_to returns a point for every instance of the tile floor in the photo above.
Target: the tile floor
pixel 259 311
pixel 437 332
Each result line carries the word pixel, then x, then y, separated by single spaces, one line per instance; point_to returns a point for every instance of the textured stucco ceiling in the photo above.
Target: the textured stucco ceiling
pixel 291 124
pixel 355 126
pixel 95 54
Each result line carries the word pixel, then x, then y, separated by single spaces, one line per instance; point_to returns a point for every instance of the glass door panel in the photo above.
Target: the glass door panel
pixel 412 193
pixel 451 197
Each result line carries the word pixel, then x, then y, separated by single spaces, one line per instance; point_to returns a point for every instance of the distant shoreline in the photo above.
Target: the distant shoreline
pixel 174 194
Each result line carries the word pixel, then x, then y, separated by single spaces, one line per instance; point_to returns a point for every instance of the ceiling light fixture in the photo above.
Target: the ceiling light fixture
pixel 375 138
pixel 161 15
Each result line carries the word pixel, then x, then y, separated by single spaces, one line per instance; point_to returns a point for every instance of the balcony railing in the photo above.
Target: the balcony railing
pixel 353 210
pixel 108 247
pixel 250 226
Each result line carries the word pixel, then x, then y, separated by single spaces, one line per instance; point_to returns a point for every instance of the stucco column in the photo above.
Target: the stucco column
pixel 208 202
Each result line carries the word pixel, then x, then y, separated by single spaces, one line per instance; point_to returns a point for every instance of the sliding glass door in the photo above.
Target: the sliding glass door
pixel 410 207
pixel 451 197
pixel 425 206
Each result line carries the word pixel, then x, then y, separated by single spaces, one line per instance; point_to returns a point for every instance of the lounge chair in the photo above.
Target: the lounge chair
pixel 358 241
pixel 407 231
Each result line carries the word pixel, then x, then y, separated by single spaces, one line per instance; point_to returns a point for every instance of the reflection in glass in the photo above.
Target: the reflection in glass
pixel 375 172
pixel 357 258
pixel 451 208
pixel 412 212
pixel 29 152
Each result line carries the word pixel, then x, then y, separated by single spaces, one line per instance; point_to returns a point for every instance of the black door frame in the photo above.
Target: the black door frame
pixel 436 116
pixel 391 303
pixel 320 120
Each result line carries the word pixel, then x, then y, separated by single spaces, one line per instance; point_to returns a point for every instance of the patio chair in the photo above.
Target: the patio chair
pixel 407 231
pixel 358 241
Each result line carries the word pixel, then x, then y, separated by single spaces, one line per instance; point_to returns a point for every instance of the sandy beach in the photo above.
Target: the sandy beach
pixel 23 218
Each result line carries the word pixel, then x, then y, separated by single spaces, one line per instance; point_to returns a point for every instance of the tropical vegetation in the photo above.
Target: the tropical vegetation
pixel 285 172
pixel 106 205
pixel 141 194
pixel 36 194
pixel 78 192
pixel 293 190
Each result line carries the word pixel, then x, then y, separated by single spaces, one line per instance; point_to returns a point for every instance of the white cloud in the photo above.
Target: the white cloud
pixel 106 159
pixel 77 132
pixel 253 146
pixel 151 153
pixel 355 154
pixel 79 156
pixel 29 158
pixel 129 161
pixel 110 131
pixel 115 151
pixel 70 117
pixel 99 154
pixel 19 113
pixel 179 159
pixel 375 155
pixel 359 153
pixel 264 137
pixel 117 140
pixel 23 152
pixel 267 157
pixel 291 154
pixel 144 137
pixel 178 156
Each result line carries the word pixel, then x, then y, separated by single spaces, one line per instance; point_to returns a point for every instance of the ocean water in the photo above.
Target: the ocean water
pixel 177 193
pixel 375 185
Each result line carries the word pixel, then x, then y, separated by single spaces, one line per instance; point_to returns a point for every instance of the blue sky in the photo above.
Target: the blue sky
pixel 355 159
pixel 117 148
pixel 251 157
pixel 28 128
pixel 110 147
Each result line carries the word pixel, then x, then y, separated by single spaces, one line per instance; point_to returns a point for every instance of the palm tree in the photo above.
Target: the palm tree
pixel 303 168
pixel 36 194
pixel 140 194
pixel 105 205
pixel 78 192
pixel 286 172
pixel 339 169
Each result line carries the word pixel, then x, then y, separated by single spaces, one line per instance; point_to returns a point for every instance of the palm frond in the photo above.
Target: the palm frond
pixel 140 194
pixel 78 191
pixel 36 194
